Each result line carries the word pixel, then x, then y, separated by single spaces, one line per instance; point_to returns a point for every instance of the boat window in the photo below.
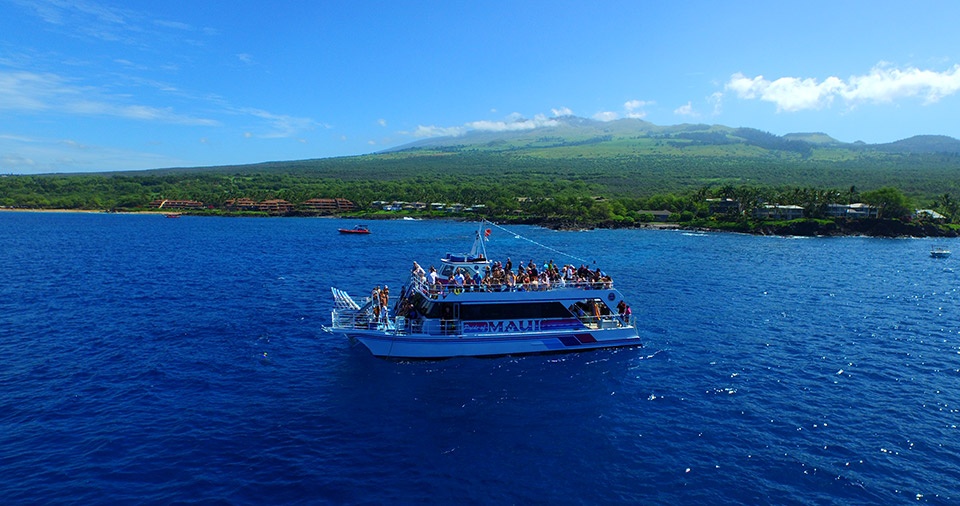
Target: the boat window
pixel 434 310
pixel 586 307
pixel 420 303
pixel 446 271
pixel 514 311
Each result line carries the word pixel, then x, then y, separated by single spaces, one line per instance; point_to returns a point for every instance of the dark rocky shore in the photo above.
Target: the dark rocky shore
pixel 860 227
pixel 868 227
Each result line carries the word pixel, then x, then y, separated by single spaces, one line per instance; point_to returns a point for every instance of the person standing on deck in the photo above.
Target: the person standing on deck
pixel 384 300
pixel 375 302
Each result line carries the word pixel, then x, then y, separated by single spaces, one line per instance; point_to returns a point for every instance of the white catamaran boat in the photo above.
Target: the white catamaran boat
pixel 473 306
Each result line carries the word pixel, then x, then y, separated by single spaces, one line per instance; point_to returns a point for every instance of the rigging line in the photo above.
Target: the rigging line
pixel 539 244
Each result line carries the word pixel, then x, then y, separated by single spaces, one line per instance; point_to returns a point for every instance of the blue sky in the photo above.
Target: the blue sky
pixel 92 85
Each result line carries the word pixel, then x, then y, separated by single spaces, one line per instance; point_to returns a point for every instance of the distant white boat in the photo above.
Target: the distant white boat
pixel 939 252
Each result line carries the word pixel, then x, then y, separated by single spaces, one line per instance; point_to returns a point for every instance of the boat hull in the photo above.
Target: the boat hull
pixel 389 345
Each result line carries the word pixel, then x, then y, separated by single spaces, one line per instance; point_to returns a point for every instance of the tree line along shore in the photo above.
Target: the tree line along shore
pixel 751 209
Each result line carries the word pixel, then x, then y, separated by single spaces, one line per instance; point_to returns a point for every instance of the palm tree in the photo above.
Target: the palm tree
pixel 947 206
pixel 852 195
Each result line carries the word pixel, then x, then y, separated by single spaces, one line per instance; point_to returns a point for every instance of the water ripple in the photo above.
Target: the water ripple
pixel 163 361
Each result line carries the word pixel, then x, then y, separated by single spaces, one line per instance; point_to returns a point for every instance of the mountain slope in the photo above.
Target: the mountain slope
pixel 638 136
pixel 628 157
pixel 921 144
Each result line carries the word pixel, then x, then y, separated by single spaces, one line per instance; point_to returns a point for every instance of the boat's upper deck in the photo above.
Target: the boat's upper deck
pixel 505 292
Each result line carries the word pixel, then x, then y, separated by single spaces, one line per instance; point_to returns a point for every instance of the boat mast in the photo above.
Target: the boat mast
pixel 479 249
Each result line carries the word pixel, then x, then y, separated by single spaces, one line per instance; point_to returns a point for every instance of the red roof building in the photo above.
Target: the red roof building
pixel 328 205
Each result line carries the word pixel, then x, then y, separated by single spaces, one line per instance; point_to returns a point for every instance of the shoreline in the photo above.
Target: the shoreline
pixel 83 211
pixel 867 227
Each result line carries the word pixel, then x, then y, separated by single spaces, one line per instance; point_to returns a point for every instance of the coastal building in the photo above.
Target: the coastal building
pixel 241 204
pixel 275 206
pixel 836 210
pixel 928 214
pixel 328 205
pixel 858 210
pixel 723 206
pixel 779 212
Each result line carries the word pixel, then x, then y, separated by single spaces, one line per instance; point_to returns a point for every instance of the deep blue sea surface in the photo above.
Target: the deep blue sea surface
pixel 152 360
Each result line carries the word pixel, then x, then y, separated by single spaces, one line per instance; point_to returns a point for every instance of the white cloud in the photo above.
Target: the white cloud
pixel 29 91
pixel 435 131
pixel 788 93
pixel 280 125
pixel 885 84
pixel 382 122
pixel 32 155
pixel 686 110
pixel 606 116
pixel 100 20
pixel 562 111
pixel 882 84
pixel 717 100
pixel 514 122
pixel 36 92
pixel 634 108
pixel 46 93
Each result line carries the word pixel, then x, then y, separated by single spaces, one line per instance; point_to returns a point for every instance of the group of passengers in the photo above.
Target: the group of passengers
pixel 501 277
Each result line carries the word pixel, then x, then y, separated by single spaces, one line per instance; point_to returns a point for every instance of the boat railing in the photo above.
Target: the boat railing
pixel 451 327
pixel 607 321
pixel 435 290
pixel 401 325
pixel 343 300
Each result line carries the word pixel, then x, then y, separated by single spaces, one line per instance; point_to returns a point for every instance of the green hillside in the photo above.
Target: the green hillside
pixel 635 162
pixel 637 158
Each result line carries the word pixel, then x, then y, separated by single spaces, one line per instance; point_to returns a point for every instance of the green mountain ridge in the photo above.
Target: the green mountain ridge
pixel 922 144
pixel 571 130
pixel 813 138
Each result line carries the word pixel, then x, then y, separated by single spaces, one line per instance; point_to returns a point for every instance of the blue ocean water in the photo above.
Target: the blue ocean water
pixel 151 360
